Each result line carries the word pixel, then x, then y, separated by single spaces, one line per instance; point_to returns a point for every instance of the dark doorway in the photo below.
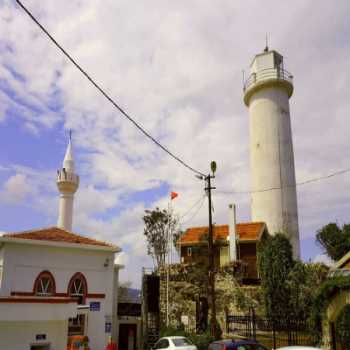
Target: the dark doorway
pixel 127 337
pixel 40 347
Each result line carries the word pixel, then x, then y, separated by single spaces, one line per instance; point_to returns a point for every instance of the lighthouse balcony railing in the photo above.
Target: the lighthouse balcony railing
pixel 267 74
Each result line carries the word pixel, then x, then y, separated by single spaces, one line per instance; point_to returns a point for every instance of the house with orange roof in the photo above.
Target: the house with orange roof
pixel 232 242
pixel 58 289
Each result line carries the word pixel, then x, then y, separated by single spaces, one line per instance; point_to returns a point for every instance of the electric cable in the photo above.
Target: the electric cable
pixel 315 179
pixel 193 206
pixel 110 99
pixel 195 213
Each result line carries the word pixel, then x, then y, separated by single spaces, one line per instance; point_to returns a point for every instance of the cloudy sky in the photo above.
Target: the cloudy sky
pixel 176 67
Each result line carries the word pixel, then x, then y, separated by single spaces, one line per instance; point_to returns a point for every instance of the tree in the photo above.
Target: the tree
pixel 176 236
pixel 301 282
pixel 160 226
pixel 335 240
pixel 123 292
pixel 275 264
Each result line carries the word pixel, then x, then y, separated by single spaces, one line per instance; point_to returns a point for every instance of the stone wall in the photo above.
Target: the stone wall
pixel 189 283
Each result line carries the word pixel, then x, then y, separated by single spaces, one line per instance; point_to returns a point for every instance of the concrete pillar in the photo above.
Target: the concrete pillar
pixel 232 232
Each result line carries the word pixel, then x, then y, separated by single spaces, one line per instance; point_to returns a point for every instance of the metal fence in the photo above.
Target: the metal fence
pixel 272 334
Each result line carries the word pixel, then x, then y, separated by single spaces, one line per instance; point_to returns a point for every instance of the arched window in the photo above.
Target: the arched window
pixel 77 287
pixel 44 284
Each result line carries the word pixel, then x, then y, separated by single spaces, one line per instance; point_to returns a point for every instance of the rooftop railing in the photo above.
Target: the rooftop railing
pixel 267 74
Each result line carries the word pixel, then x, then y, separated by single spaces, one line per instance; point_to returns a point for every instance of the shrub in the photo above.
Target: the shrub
pixel 172 331
pixel 343 327
pixel 202 341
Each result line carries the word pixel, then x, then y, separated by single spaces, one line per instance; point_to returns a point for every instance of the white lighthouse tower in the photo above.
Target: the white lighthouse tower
pixel 266 93
pixel 67 183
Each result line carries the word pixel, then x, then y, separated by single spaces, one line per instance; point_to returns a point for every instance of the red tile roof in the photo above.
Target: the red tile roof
pixel 249 231
pixel 56 234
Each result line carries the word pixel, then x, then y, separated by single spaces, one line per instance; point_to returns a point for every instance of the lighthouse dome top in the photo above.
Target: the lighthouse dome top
pixel 267 69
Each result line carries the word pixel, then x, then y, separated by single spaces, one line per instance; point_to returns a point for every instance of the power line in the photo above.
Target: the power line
pixel 110 99
pixel 195 213
pixel 315 179
pixel 193 206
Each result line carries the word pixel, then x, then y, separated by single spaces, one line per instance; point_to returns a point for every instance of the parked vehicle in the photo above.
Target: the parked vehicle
pixel 229 344
pixel 174 343
pixel 298 347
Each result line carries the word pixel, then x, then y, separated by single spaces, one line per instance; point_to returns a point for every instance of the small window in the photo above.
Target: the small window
pixel 77 288
pixel 189 251
pixel 44 284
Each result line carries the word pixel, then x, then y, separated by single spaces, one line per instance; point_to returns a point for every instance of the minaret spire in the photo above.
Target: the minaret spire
pixel 68 162
pixel 67 183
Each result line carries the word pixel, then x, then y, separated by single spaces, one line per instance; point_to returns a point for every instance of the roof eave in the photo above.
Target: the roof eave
pixel 112 249
pixel 338 264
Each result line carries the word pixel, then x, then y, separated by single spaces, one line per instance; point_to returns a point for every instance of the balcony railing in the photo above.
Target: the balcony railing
pixel 267 74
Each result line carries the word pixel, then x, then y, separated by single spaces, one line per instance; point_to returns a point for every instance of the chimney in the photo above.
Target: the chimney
pixel 232 232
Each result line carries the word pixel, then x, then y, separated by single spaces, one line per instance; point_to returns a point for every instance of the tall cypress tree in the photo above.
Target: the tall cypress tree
pixel 275 264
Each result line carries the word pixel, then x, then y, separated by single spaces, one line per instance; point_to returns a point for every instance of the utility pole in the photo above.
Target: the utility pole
pixel 211 269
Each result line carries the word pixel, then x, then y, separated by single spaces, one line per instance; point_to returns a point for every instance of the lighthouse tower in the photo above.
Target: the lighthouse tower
pixel 266 94
pixel 67 183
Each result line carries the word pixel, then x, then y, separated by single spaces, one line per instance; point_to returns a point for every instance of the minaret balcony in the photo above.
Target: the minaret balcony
pixel 67 181
pixel 267 78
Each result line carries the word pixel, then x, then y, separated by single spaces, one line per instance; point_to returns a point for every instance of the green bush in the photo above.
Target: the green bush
pixel 172 331
pixel 323 297
pixel 342 327
pixel 202 341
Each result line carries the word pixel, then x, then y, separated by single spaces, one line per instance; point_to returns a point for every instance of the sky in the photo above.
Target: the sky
pixel 176 67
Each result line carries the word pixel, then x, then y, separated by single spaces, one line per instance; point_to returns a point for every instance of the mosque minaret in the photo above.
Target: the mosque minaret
pixel 266 94
pixel 67 183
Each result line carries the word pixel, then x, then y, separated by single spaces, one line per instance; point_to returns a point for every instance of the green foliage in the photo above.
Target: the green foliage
pixel 301 283
pixel 275 264
pixel 124 292
pixel 160 226
pixel 202 341
pixel 323 297
pixel 176 236
pixel 335 240
pixel 218 330
pixel 342 327
pixel 172 331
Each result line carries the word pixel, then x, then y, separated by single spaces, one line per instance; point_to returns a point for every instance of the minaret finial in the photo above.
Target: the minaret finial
pixel 266 43
pixel 70 135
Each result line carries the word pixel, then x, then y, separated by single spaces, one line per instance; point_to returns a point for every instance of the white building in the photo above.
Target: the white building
pixel 55 284
pixel 266 94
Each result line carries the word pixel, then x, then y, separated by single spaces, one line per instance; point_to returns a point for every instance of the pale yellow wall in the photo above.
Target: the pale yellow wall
pixel 224 255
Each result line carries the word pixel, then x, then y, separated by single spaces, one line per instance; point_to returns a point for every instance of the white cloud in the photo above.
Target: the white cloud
pixel 323 258
pixel 178 72
pixel 16 189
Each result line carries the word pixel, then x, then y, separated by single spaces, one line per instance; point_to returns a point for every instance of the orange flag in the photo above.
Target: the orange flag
pixel 173 195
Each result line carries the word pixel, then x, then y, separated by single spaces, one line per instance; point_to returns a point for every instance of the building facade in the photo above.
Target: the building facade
pixel 54 285
pixel 194 246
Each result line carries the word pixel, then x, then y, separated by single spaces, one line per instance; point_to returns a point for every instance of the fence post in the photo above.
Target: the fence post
pixel 254 323
pixel 273 334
